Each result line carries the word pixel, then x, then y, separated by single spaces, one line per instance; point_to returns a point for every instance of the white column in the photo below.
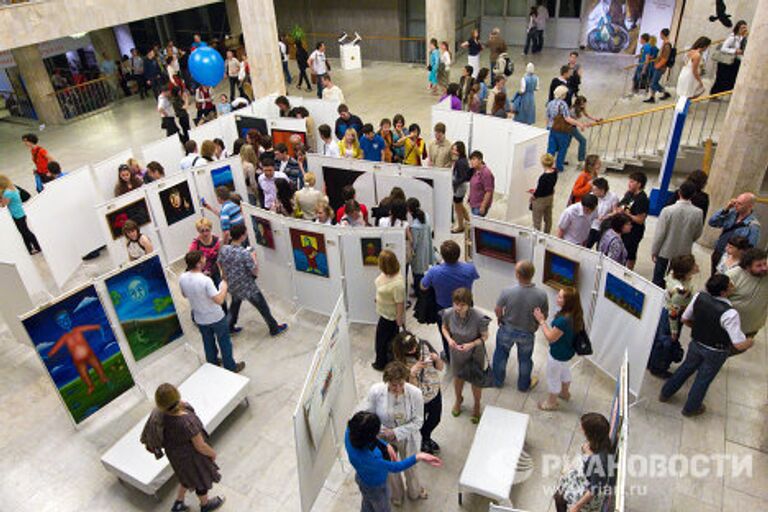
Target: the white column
pixel 38 84
pixel 441 22
pixel 259 25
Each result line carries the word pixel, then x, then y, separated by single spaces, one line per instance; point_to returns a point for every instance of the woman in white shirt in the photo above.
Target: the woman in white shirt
pixel 725 79
pixel 444 71
pixel 400 407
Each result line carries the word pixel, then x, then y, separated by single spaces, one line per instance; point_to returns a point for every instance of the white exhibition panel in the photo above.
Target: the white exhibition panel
pixel 495 274
pixel 214 393
pixel 330 371
pixel 14 301
pixel 526 145
pixel 322 112
pixel 275 275
pixel 105 173
pixel 360 290
pixel 312 291
pixel 365 187
pixel 64 222
pixel 264 108
pixel 13 251
pixel 228 130
pixel 490 135
pixel 287 124
pixel 205 188
pixel 117 246
pixel 207 131
pixel 439 195
pixel 458 124
pixel 586 278
pixel 168 152
pixel 175 237
pixel 620 330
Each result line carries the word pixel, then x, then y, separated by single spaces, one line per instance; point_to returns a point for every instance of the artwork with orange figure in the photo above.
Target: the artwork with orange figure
pixel 284 136
pixel 74 340
pixel 309 252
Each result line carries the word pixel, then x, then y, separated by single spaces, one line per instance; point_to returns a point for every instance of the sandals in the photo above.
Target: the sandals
pixel 475 418
pixel 544 406
pixel 456 231
pixel 423 494
pixel 456 411
pixel 565 397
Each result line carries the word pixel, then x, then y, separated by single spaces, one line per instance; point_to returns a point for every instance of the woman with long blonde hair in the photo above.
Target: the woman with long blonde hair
pixel 10 197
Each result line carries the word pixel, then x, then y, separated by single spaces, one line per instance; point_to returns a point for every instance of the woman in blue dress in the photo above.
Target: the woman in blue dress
pixel 434 64
pixel 528 85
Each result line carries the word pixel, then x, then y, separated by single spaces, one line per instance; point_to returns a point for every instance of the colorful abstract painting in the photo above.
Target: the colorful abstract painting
pixel 309 252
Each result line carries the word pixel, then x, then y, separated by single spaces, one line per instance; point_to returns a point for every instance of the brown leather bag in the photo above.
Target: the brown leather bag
pixel 559 124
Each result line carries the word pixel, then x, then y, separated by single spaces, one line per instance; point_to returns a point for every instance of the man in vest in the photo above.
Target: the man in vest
pixel 715 331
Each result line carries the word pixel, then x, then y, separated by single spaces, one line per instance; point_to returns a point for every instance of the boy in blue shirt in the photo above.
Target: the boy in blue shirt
pixel 372 144
pixel 367 455
pixel 642 62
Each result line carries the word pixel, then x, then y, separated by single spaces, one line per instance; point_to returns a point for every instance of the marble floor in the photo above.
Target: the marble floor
pixel 49 466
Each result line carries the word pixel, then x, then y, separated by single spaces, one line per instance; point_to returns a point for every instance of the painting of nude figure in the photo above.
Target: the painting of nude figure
pixel 73 338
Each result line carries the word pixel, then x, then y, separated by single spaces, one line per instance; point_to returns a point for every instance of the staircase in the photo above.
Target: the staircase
pixel 640 139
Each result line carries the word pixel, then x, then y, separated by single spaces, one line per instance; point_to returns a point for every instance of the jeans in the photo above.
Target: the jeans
pixel 659 271
pixel 304 78
pixel 558 145
pixel 234 82
pixel 386 330
pixel 656 79
pixel 664 347
pixel 287 72
pixel 211 333
pixel 319 86
pixel 476 211
pixel 530 41
pixel 506 338
pixel 433 410
pixel 705 362
pixel 375 499
pixel 582 143
pixel 539 43
pixel 417 284
pixel 260 303
pixel 184 128
pixel 30 240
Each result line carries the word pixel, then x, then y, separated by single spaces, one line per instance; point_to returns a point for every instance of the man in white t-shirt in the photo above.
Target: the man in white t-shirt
pixel 284 57
pixel 318 66
pixel 330 91
pixel 328 147
pixel 192 157
pixel 207 314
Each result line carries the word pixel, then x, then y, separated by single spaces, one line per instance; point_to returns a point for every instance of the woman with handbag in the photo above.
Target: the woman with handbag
pixel 466 329
pixel 425 365
pixel 729 55
pixel 560 123
pixel 400 407
pixel 568 321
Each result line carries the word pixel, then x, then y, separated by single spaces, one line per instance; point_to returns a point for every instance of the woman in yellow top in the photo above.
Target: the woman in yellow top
pixel 349 147
pixel 415 148
pixel 390 306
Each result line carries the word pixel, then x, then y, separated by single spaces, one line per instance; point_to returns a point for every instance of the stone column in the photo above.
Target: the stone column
pixel 260 34
pixel 105 44
pixel 441 22
pixel 38 84
pixel 741 159
pixel 233 15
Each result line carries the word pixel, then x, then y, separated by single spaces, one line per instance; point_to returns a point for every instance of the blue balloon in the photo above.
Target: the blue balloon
pixel 206 66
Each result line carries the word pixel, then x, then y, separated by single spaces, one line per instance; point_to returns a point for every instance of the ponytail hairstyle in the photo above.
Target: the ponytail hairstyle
pixel 414 208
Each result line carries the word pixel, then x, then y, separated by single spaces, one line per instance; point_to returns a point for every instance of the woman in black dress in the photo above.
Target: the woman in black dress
pixel 185 444
pixel 301 61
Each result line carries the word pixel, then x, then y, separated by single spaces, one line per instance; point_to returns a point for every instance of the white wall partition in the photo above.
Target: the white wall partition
pixel 287 124
pixel 345 171
pixel 627 312
pixel 14 301
pixel 175 216
pixel 359 276
pixel 206 177
pixel 168 152
pixel 439 194
pixel 207 131
pixel 65 223
pixel 275 275
pixel 113 214
pixel 312 291
pixel 497 274
pixel 322 112
pixel 12 251
pixel 458 124
pixel 586 275
pixel 105 173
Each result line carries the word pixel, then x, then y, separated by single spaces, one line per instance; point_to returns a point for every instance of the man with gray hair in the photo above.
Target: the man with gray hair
pixel 735 219
pixel 517 326
pixel 497 46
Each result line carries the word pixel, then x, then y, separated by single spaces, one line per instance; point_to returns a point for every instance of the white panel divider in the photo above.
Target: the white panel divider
pixel 105 173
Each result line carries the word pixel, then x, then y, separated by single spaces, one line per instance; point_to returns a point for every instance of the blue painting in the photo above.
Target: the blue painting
pixel 74 340
pixel 309 253
pixel 624 295
pixel 560 271
pixel 495 245
pixel 145 307
pixel 222 177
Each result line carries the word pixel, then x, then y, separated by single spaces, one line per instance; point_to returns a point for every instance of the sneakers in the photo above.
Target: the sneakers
pixel 650 100
pixel 235 329
pixel 213 504
pixel 665 96
pixel 698 412
pixel 238 368
pixel 179 506
pixel 280 330
pixel 663 399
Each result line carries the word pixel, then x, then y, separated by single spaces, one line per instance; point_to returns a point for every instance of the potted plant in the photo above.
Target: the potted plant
pixel 296 34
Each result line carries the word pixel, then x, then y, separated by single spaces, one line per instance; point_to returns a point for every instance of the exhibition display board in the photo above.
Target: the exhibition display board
pixel 168 152
pixel 12 251
pixel 227 173
pixel 326 401
pixel 627 310
pixel 223 127
pixel 458 123
pixel 114 214
pixel 13 304
pixel 270 240
pixel 105 173
pixel 176 206
pixel 65 223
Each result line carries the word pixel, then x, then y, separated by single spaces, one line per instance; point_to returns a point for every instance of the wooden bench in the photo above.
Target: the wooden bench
pixel 214 393
pixel 492 461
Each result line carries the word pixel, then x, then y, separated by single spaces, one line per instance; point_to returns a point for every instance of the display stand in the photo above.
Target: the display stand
pixel 350 56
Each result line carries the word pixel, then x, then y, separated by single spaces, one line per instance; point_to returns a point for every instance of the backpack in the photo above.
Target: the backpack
pixel 504 65
pixel 672 57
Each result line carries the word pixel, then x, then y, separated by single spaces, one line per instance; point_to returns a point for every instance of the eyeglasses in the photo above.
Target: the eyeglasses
pixel 203 230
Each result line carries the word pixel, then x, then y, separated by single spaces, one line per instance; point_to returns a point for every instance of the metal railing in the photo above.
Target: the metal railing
pixel 82 99
pixel 18 106
pixel 644 134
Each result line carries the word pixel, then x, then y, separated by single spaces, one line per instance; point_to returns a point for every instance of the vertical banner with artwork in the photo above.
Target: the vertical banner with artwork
pixel 73 338
pixel 612 26
pixel 144 306
pixel 309 252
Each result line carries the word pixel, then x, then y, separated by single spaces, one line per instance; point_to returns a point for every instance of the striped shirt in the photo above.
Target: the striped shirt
pixel 230 215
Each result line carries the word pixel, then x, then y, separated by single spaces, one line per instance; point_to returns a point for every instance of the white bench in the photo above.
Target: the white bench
pixel 214 393
pixel 492 461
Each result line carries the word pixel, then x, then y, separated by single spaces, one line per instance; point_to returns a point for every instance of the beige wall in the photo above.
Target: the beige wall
pixel 695 21
pixel 36 22
pixel 373 17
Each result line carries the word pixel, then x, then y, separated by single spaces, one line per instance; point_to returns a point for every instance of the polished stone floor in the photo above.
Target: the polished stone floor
pixel 49 466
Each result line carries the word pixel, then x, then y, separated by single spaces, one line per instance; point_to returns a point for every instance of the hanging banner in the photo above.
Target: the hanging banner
pixel 657 15
pixel 612 24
